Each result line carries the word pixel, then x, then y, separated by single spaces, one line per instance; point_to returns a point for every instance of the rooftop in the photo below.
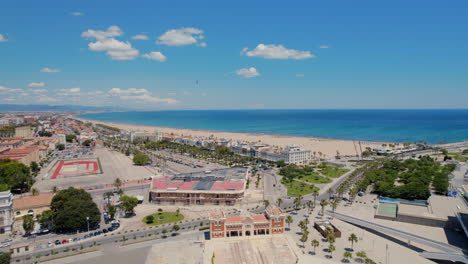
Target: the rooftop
pixel 30 201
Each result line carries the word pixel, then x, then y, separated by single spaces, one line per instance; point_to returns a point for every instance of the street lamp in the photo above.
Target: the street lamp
pixel 87 220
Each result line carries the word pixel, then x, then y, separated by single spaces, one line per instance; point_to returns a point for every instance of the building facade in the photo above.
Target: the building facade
pixel 24 131
pixel 6 212
pixel 269 223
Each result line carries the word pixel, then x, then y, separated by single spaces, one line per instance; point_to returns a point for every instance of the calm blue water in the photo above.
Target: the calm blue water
pixel 392 200
pixel 432 126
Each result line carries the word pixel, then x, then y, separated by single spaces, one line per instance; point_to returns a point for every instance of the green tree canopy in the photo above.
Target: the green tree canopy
pixel 14 176
pixel 71 207
pixel 128 203
pixel 70 137
pixel 28 223
pixel 141 159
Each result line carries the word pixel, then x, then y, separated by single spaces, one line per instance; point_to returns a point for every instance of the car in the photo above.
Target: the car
pixel 110 229
pixel 105 231
pixel 3 244
pixel 57 242
pixel 65 241
pixel 50 244
pixel 8 240
pixel 71 240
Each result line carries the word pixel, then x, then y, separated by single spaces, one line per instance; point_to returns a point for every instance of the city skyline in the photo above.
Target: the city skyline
pixel 214 55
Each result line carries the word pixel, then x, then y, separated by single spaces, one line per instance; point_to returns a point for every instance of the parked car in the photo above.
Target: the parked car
pixel 57 242
pixel 65 241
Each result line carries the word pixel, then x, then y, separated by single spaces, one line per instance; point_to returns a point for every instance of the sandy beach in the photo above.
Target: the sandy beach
pixel 328 147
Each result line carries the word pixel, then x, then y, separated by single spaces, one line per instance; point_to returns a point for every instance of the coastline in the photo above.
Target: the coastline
pixel 328 147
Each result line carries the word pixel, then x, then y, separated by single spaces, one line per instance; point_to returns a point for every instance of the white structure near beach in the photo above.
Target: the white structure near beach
pixel 6 212
pixel 291 154
pixel 147 136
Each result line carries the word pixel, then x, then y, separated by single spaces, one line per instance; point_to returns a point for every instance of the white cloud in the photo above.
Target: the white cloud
pixel 202 44
pixel 38 90
pixel 131 91
pixel 45 99
pixel 244 50
pixel 248 72
pixel 2 38
pixel 277 52
pixel 181 37
pixel 9 99
pixel 37 84
pixel 150 99
pixel 77 14
pixel 70 91
pixel 4 89
pixel 299 75
pixel 155 55
pixel 112 31
pixel 139 95
pixel 140 37
pixel 324 47
pixel 117 50
pixel 50 70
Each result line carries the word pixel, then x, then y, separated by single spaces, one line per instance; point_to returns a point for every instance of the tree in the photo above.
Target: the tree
pixel 175 228
pixel 5 258
pixel 297 202
pixel 118 183
pixel 302 225
pixel 315 194
pixel 362 255
pixel 70 137
pixel 87 143
pixel 330 193
pixel 289 220
pixel 304 238
pixel 280 163
pixel 71 209
pixel 44 133
pixel 353 239
pixel 315 243
pixel 334 205
pixel 347 255
pixel 55 189
pixel 14 176
pixel 266 203
pixel 60 147
pixel 108 195
pixel 331 238
pixel 279 201
pixel 331 248
pixel 34 167
pixel 323 203
pixel 128 203
pixel 28 224
pixel 177 212
pixel 149 219
pixel 45 219
pixel 310 205
pixel 34 192
pixel 111 211
pixel 140 159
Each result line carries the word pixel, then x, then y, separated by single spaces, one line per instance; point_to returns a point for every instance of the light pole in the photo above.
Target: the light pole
pixel 87 220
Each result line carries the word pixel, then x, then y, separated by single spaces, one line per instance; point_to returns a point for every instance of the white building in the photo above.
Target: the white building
pixel 296 155
pixel 6 212
pixel 148 136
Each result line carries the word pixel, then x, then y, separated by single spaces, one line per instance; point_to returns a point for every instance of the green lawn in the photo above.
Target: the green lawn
pixel 164 218
pixel 333 172
pixel 296 188
pixel 460 158
pixel 314 178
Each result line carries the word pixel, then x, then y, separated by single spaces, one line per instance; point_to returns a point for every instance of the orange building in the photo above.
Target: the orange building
pixel 271 222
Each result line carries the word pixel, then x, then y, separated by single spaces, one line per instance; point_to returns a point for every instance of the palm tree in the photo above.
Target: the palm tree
pixel 304 238
pixel 107 194
pixel 323 203
pixel 266 203
pixel 334 204
pixel 315 194
pixel 279 202
pixel 34 191
pixel 347 255
pixel 331 238
pixel 315 243
pixel 331 248
pixel 118 183
pixel 310 205
pixel 120 192
pixel 353 239
pixel 54 189
pixel 289 220
pixel 297 202
pixel 302 225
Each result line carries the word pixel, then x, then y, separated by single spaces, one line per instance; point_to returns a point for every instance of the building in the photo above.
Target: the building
pixel 293 154
pixel 26 154
pixel 217 187
pixel 32 204
pixel 6 212
pixel 271 222
pixel 24 131
pixel 145 136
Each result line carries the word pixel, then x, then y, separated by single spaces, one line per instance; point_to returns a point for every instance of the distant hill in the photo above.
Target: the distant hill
pixel 56 108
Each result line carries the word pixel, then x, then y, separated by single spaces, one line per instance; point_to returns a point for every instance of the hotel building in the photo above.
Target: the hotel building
pixel 271 222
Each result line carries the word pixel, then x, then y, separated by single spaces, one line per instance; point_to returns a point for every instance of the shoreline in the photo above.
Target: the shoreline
pixel 328 147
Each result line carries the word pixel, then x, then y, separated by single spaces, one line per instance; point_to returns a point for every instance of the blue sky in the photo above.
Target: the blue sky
pixel 236 55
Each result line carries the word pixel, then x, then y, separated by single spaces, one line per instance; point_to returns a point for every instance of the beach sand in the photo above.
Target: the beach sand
pixel 328 147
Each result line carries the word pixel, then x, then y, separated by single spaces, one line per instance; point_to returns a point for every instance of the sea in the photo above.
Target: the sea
pixel 431 126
